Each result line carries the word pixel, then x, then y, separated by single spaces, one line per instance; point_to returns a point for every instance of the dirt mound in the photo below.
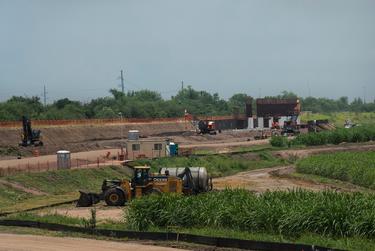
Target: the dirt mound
pixel 89 137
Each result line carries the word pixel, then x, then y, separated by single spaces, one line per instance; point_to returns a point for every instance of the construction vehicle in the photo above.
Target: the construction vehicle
pixel 201 126
pixel 290 127
pixel 29 136
pixel 320 125
pixel 169 180
pixel 206 127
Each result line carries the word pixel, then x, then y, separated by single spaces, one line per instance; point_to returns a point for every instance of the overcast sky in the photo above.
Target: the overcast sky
pixel 77 48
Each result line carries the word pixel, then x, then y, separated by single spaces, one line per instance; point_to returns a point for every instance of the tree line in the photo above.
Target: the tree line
pixel 150 104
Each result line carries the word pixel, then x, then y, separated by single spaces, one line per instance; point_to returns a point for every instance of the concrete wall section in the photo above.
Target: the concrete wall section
pixel 229 124
pixel 260 122
pixel 250 123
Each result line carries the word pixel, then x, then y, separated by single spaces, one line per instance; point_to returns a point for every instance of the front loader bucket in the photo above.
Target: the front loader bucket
pixel 88 199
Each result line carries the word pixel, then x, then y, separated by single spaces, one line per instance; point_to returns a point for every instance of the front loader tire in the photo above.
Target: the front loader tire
pixel 114 197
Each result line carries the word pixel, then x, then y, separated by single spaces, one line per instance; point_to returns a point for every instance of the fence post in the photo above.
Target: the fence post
pixel 97 161
pixel 87 162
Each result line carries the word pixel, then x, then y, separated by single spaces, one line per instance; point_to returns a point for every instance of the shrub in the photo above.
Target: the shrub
pixel 279 141
pixel 356 134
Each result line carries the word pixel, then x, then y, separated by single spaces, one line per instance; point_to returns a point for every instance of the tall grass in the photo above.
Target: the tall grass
pixel 355 167
pixel 290 213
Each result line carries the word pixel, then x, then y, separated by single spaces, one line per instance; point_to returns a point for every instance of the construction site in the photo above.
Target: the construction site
pixel 52 169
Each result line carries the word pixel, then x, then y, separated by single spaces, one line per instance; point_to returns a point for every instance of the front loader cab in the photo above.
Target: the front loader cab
pixel 141 176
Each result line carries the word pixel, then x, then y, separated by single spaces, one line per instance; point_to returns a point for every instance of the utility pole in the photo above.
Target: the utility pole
pixel 364 94
pixel 122 130
pixel 182 85
pixel 122 82
pixel 45 96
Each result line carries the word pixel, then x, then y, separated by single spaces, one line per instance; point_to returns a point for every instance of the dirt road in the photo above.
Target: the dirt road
pixel 271 179
pixel 103 213
pixel 223 146
pixel 89 155
pixel 13 242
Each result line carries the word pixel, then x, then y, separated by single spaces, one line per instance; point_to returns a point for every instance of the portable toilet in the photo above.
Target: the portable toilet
pixel 63 159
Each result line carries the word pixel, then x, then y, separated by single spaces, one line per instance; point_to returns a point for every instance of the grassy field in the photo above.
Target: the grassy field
pixel 219 165
pixel 339 118
pixel 63 185
pixel 57 186
pixel 354 167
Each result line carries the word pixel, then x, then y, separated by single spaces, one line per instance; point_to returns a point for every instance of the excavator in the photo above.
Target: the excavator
pixel 29 136
pixel 117 192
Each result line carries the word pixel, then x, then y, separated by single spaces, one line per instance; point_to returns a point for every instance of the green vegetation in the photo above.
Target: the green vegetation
pixel 279 141
pixel 354 167
pixel 340 135
pixel 150 104
pixel 10 196
pixel 134 104
pixel 218 165
pixel 63 185
pixel 48 218
pixel 338 118
pixel 348 243
pixel 65 181
pixel 57 186
pixel 356 134
pixel 290 213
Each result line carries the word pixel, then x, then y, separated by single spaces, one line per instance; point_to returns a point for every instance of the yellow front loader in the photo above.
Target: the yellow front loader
pixel 118 192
